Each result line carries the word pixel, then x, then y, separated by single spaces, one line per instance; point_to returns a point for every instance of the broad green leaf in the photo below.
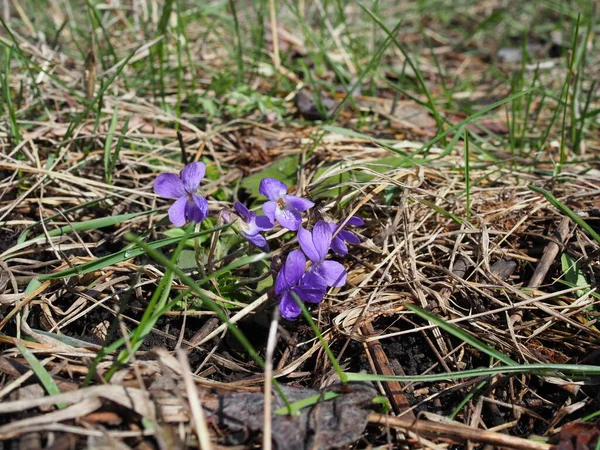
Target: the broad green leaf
pixel 284 169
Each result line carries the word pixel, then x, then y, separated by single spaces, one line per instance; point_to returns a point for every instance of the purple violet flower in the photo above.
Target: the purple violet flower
pixel 316 245
pixel 338 244
pixel 282 207
pixel 292 278
pixel 250 225
pixel 183 188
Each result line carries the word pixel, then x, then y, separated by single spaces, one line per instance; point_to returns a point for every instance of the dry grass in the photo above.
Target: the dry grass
pixel 483 253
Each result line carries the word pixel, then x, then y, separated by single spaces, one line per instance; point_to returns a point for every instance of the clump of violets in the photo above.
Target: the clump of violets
pixel 307 272
pixel 188 205
pixel 281 207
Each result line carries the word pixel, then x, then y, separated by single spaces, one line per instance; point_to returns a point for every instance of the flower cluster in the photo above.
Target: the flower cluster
pixel 306 273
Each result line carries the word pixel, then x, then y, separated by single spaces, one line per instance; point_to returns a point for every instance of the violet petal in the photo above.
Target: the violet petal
pixel 348 236
pixel 315 280
pixel 339 246
pixel 192 175
pixel 177 212
pixel 272 188
pixel 169 185
pixel 269 208
pixel 333 273
pixel 243 211
pixel 288 307
pixel 305 239
pixel 321 237
pixel 299 203
pixel 310 294
pixel 197 209
pixel 355 222
pixel 258 240
pixel 294 267
pixel 263 223
pixel 287 218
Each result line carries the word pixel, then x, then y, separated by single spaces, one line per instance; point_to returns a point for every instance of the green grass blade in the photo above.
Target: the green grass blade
pixel 392 35
pixel 566 210
pixel 305 402
pixel 93 224
pixel 12 115
pixel 40 371
pixel 313 326
pixel 159 298
pixel 571 370
pixel 120 256
pixel 108 144
pixel 460 334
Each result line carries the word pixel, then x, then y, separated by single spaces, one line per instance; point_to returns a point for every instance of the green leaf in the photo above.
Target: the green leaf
pixel 32 286
pixel 283 169
pixel 187 260
pixel 574 274
pixel 40 371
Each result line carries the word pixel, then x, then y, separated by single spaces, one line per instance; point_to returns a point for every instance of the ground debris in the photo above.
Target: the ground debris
pixel 326 425
pixel 577 436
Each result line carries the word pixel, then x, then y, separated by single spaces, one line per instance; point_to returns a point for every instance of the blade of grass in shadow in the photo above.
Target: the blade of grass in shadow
pixel 12 116
pixel 572 370
pixel 565 99
pixel 104 86
pixel 467 178
pixel 472 393
pixel 566 210
pixel 159 52
pixel 108 144
pixel 348 97
pixel 239 50
pixel 27 62
pixel 97 24
pixel 313 325
pixel 460 334
pixel 305 402
pixel 440 210
pixel 40 371
pixel 158 312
